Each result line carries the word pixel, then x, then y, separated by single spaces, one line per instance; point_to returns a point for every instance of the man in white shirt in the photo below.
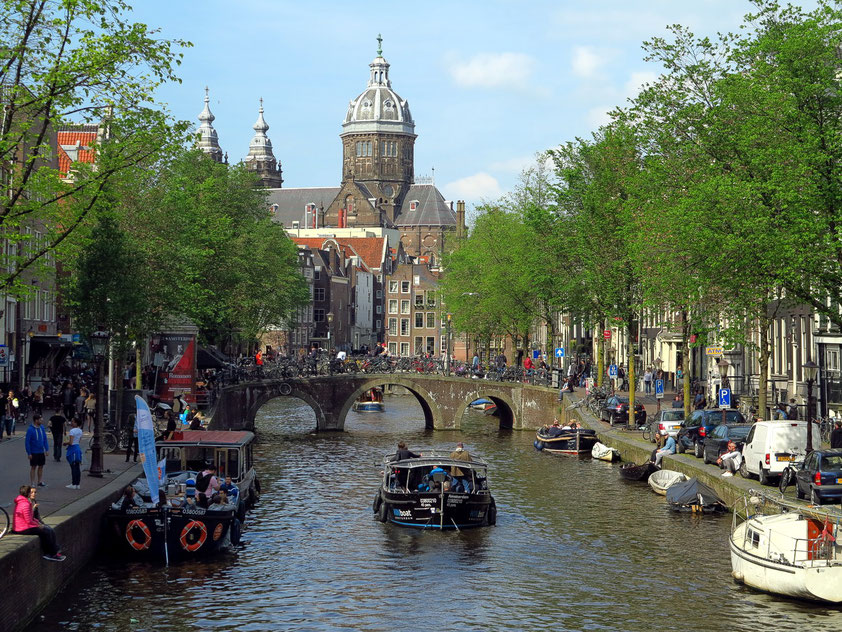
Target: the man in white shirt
pixel 731 460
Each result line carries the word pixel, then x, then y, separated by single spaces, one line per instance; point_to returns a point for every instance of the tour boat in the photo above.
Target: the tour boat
pixel 370 402
pixel 602 452
pixel 565 440
pixel 482 404
pixel 791 554
pixel 662 480
pixel 182 528
pixel 428 493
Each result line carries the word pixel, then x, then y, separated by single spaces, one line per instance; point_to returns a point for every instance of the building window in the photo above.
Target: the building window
pixel 405 287
pixel 317 274
pixel 379 294
pixel 393 306
pixel 431 320
pixel 833 360
pixel 319 294
pixel 413 205
pixel 416 280
pixel 378 325
pixel 431 344
pixel 319 315
pixel 404 326
pixel 419 320
pixel 393 287
pixel 419 300
pixel 443 344
pixel 404 307
pixel 379 309
pixel 393 326
pixel 419 345
pixel 431 298
pixel 404 348
pixel 393 348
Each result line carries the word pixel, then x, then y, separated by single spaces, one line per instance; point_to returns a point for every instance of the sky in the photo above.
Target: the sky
pixel 489 83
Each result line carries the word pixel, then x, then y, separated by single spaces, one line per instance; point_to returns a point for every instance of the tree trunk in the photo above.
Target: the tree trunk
pixel 600 359
pixel 138 384
pixel 630 374
pixel 763 357
pixel 685 359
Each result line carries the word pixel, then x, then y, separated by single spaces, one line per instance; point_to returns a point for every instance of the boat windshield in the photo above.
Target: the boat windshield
pixel 436 472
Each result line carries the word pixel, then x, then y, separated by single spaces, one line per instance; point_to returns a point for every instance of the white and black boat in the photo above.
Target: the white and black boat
pixel 182 528
pixel 370 402
pixel 435 491
pixel 577 441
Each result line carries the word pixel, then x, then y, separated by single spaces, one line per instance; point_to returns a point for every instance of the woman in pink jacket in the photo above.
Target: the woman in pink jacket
pixel 26 524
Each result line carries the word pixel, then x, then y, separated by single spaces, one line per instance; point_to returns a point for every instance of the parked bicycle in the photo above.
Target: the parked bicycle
pixel 5 523
pixel 111 439
pixel 788 475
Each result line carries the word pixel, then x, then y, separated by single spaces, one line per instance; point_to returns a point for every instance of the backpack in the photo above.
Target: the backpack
pixel 202 482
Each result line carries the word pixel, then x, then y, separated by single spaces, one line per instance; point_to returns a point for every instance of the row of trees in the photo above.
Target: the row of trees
pixel 151 232
pixel 713 196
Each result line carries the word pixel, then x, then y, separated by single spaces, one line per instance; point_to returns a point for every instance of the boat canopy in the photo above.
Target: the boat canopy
pixel 434 458
pixel 692 492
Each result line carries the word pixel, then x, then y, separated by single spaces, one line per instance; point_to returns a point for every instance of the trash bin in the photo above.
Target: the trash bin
pixel 557 379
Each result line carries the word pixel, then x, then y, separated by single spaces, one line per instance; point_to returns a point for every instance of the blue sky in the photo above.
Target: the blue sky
pixel 489 83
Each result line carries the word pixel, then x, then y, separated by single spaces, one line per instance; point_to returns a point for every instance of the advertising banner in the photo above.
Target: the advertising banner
pixel 174 358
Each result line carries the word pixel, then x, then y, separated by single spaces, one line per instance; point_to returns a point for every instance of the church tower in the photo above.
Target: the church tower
pixel 260 159
pixel 378 152
pixel 208 141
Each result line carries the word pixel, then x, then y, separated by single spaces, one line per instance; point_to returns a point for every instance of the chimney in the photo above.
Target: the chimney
pixel 461 229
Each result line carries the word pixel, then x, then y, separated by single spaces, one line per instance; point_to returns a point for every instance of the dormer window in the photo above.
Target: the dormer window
pixel 413 205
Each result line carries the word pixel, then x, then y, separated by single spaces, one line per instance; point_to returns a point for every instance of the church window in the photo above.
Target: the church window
pixel 358 148
pixel 349 204
pixel 368 148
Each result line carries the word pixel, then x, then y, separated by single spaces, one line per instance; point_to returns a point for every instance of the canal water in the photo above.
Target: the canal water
pixel 575 548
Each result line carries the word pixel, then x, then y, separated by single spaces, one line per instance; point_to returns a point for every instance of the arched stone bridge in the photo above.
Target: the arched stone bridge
pixel 443 399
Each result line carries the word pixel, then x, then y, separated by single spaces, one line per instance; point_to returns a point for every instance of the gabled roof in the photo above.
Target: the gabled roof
pixel 431 209
pixel 75 144
pixel 371 250
pixel 291 202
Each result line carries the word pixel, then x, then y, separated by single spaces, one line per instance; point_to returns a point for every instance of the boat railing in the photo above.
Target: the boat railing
pixel 429 456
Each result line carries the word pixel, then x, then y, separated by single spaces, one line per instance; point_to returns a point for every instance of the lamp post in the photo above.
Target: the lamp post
pixel 99 343
pixel 723 378
pixel 329 327
pixel 447 344
pixel 658 364
pixel 811 370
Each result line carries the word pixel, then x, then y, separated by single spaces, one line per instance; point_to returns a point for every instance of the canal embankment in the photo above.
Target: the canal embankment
pixel 28 582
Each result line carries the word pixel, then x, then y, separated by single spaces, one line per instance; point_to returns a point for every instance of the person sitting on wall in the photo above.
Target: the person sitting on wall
pixel 731 460
pixel 24 522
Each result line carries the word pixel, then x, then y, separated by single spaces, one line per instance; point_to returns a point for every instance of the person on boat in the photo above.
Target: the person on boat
pixel 430 479
pixel 130 499
pixel 460 454
pixel 730 460
pixel 669 448
pixel 404 453
pixel 206 485
pixel 555 429
pixel 229 487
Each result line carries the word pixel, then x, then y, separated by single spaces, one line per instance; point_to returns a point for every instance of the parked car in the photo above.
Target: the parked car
pixel 716 442
pixel 667 421
pixel 820 476
pixel 616 410
pixel 701 423
pixel 772 445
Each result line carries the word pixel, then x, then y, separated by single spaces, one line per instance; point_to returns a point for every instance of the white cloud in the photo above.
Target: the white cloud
pixel 598 116
pixel 513 165
pixel 586 62
pixel 478 186
pixel 493 70
pixel 636 81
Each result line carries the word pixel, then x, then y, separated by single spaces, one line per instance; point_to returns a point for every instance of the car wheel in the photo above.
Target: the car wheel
pixel 763 475
pixel 705 458
pixel 814 497
pixel 698 450
pixel 680 447
pixel 744 471
pixel 798 492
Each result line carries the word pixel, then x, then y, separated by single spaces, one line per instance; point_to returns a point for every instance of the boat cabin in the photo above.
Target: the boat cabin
pixel 192 450
pixel 435 472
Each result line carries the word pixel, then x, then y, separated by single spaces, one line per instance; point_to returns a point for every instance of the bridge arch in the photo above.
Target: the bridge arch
pixel 432 411
pixel 505 406
pixel 293 392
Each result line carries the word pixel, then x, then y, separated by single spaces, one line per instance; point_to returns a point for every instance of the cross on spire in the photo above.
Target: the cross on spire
pixel 379 45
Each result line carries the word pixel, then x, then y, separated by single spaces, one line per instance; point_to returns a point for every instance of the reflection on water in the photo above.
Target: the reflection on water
pixel 575 548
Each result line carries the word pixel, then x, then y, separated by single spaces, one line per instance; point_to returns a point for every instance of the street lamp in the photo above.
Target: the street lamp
pixel 447 344
pixel 329 327
pixel 723 379
pixel 811 370
pixel 99 344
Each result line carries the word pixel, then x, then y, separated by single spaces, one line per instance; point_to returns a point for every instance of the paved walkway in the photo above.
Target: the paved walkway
pixel 14 472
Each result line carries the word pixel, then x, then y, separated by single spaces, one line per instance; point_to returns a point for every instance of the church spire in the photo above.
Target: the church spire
pixel 261 159
pixel 208 141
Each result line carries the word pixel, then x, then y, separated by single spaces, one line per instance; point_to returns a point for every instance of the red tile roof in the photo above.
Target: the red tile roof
pixel 68 137
pixel 369 249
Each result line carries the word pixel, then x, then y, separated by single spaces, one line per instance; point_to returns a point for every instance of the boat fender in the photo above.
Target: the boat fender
pixel 257 485
pixel 236 531
pixel 539 445
pixel 147 535
pixel 492 513
pixel 188 533
pixel 383 512
pixel 241 511
pixel 378 500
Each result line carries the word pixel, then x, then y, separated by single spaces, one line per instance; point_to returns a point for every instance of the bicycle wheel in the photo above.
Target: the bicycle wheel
pixel 109 443
pixel 5 524
pixel 786 478
pixel 647 433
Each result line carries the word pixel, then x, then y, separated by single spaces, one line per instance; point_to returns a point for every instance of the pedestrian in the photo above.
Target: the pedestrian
pixel 133 443
pixel 677 402
pixel 647 381
pixel 24 522
pixel 74 453
pixel 37 446
pixel 779 413
pixel 836 435
pixel 679 377
pixel 38 400
pixel 68 396
pixel 79 403
pixel 90 410
pixel 57 422
pixel 792 410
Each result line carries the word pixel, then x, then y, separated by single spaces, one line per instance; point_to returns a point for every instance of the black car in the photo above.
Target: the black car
pixel 700 424
pixel 616 411
pixel 820 476
pixel 716 443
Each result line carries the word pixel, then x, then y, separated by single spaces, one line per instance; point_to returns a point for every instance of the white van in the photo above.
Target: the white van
pixel 772 445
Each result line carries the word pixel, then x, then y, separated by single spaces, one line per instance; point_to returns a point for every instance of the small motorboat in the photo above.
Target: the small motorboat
pixel 557 440
pixel 632 472
pixel 694 496
pixel 370 402
pixel 435 491
pixel 788 554
pixel 662 480
pixel 604 453
pixel 482 404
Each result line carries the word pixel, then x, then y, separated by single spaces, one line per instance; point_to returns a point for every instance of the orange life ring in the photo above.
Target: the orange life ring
pixel 188 528
pixel 138 546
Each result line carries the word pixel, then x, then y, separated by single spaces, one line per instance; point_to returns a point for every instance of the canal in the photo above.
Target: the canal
pixel 575 548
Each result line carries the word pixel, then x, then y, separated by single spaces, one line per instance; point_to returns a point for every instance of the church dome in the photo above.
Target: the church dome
pixel 378 108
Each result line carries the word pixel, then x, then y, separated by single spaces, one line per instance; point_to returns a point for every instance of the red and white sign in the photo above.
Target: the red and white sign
pixel 606 334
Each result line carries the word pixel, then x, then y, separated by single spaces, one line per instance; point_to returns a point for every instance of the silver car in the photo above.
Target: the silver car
pixel 666 422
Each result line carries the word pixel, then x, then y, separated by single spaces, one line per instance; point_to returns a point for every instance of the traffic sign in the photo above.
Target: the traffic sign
pixel 4 355
pixel 659 389
pixel 725 398
pixel 536 353
pixel 559 352
pixel 606 334
pixel 713 351
pixel 612 371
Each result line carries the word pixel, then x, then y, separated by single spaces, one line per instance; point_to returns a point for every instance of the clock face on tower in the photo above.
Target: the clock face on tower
pixel 388 191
